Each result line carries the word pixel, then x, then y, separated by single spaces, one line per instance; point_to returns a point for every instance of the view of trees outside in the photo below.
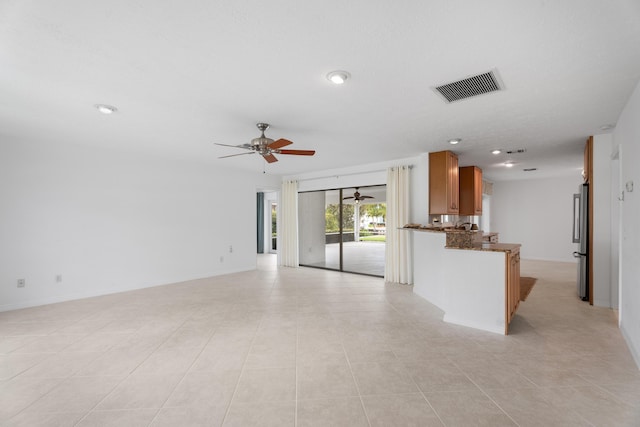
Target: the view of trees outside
pixel 332 218
pixel 274 219
pixel 274 226
pixel 372 220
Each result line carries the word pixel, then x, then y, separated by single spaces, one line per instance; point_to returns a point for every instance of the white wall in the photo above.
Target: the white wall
pixel 537 213
pixel 602 145
pixel 626 136
pixel 615 229
pixel 109 221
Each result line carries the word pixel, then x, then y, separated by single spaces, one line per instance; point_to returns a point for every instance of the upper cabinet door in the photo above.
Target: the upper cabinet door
pixel 443 183
pixel 454 180
pixel 470 190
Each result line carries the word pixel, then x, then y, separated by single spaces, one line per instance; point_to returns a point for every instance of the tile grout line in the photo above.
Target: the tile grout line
pixel 235 390
pixel 484 392
pixel 51 355
pixel 603 389
pixel 295 359
pixel 195 359
pixel 414 327
pixel 45 359
pixel 597 387
pixel 353 377
pixel 129 374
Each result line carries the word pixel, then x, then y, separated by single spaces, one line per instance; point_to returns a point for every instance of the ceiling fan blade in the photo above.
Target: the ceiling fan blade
pixel 298 152
pixel 350 197
pixel 367 197
pixel 279 143
pixel 239 154
pixel 270 158
pixel 245 146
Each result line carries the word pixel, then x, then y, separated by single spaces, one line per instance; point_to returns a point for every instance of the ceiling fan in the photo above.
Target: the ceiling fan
pixel 358 198
pixel 267 147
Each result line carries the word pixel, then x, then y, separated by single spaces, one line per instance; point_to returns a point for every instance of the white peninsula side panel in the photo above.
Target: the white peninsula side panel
pixel 468 285
pixel 428 272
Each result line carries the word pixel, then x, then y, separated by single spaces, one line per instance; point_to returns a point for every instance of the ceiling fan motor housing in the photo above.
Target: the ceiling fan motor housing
pixel 262 141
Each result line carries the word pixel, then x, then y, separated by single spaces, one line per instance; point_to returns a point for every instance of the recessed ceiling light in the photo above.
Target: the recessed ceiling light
pixel 607 126
pixel 106 109
pixel 338 77
pixel 496 151
pixel 455 141
pixel 509 164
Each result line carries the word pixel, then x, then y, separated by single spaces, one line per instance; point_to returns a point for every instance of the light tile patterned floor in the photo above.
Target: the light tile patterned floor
pixel 307 347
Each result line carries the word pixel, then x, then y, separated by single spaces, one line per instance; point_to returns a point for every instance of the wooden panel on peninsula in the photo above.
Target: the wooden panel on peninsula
pixel 512 286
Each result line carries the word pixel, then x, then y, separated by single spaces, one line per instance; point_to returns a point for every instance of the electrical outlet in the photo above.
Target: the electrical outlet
pixel 221 259
pixel 21 283
pixel 230 249
pixel 59 278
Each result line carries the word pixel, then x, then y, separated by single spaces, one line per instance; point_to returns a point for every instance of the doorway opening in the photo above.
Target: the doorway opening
pixel 267 222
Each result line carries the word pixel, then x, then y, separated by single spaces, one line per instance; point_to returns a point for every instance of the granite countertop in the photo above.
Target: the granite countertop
pixel 491 247
pixel 458 241
pixel 439 230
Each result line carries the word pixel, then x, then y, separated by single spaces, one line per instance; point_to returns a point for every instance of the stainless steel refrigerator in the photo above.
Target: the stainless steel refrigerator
pixel 581 236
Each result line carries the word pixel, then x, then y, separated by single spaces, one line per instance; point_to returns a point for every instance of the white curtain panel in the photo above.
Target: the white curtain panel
pixel 398 268
pixel 288 231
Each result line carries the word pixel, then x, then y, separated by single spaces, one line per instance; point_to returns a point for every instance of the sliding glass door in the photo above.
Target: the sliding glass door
pixel 343 229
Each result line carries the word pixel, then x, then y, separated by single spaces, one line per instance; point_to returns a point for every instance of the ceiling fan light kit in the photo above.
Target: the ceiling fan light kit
pixel 358 197
pixel 267 147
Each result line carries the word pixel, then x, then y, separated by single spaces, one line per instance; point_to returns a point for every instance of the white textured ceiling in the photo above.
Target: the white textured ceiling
pixel 186 74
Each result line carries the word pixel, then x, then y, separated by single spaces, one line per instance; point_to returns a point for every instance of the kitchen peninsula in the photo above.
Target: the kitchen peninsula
pixel 476 284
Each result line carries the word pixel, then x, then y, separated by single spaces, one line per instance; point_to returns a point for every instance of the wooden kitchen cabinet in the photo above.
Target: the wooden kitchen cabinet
pixel 443 183
pixel 513 286
pixel 470 190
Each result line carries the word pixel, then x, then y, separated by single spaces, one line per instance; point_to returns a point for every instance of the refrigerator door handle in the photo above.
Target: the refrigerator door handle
pixel 576 218
pixel 578 254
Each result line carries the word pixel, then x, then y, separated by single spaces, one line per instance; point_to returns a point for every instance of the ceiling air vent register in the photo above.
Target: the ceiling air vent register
pixel 471 86
pixel 516 151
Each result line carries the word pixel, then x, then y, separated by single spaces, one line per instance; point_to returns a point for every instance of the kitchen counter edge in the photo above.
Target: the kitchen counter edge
pixel 490 247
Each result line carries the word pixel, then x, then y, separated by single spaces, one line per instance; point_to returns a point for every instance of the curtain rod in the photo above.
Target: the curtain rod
pixel 351 174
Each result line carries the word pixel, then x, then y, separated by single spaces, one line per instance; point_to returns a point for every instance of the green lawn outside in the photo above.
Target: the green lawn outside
pixel 377 238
